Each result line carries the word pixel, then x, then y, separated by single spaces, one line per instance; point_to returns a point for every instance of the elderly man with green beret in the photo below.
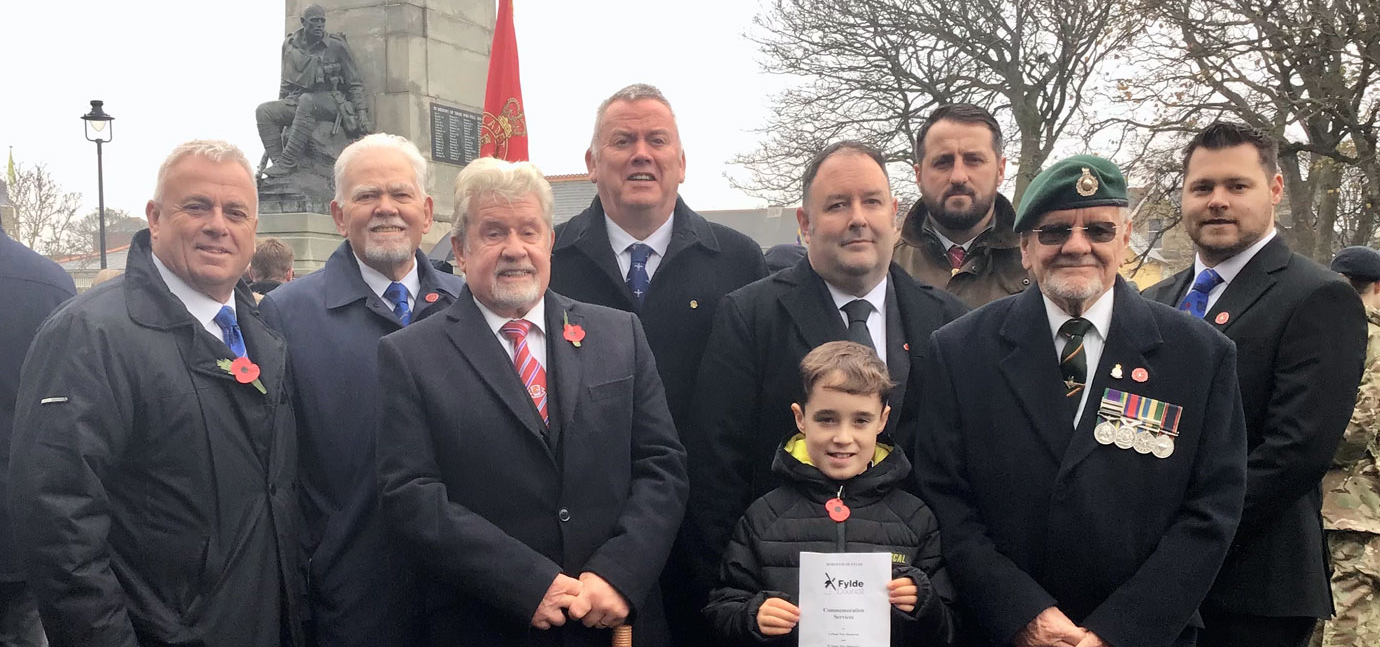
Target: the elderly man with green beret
pixel 1088 463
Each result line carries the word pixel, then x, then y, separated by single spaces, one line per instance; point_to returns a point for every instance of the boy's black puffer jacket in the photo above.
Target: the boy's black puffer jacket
pixel 763 558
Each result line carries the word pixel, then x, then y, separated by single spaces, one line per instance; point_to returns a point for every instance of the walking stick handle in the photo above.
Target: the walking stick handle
pixel 622 636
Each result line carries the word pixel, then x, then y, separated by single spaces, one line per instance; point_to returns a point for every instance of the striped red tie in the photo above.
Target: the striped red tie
pixel 531 373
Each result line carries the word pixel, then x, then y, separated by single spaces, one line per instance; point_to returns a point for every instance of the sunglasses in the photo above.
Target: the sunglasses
pixel 1097 232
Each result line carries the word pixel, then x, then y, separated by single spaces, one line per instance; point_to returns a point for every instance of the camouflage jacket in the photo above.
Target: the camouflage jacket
pixel 1351 489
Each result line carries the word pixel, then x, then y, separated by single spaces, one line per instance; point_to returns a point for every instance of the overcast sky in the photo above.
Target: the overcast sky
pixel 173 70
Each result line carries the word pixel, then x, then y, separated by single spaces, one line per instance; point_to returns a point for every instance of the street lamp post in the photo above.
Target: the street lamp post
pixel 99 130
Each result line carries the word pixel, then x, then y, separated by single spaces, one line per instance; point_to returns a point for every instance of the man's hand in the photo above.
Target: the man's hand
pixel 1091 639
pixel 559 596
pixel 598 604
pixel 777 617
pixel 1050 629
pixel 903 594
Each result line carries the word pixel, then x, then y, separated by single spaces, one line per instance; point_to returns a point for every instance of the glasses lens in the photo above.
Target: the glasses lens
pixel 1055 234
pixel 1100 232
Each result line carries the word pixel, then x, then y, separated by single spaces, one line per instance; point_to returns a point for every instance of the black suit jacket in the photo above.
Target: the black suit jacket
pixel 703 262
pixel 332 321
pixel 1301 334
pixel 1035 513
pixel 751 375
pixel 491 509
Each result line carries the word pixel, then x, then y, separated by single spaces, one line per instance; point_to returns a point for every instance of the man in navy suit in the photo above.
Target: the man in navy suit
pixel 31 287
pixel 526 453
pixel 1301 335
pixel 1083 448
pixel 375 283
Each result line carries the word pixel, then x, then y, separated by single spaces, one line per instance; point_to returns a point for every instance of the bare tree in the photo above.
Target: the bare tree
pixel 873 70
pixel 45 213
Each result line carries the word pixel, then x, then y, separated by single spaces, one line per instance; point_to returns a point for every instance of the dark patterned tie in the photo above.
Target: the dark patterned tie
pixel 638 281
pixel 858 311
pixel 396 293
pixel 956 256
pixel 1073 361
pixel 1195 302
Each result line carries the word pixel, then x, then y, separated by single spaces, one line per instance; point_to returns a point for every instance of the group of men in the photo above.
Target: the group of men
pixel 559 444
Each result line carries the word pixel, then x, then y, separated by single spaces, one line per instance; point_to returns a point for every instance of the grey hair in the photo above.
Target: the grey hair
pixel 380 141
pixel 634 92
pixel 215 150
pixel 491 177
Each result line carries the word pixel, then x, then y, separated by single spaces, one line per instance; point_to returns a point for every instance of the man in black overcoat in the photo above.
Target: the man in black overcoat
pixel 1086 458
pixel 375 283
pixel 1300 333
pixel 640 248
pixel 847 288
pixel 31 287
pixel 526 454
pixel 153 471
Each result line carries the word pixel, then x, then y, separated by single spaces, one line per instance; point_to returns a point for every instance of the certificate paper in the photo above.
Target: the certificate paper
pixel 843 599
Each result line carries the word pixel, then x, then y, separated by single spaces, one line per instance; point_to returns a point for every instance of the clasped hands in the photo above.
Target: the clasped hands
pixel 1054 629
pixel 777 617
pixel 590 599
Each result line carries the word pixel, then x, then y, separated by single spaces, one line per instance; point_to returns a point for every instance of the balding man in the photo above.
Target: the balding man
pixel 153 474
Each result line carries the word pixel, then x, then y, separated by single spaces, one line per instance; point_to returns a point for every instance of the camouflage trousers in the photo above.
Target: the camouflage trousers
pixel 1355 591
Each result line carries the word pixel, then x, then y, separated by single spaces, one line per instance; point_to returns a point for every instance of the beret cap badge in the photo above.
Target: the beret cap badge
pixel 1087 184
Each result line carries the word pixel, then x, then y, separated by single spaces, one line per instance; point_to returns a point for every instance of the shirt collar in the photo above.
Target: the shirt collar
pixel 202 308
pixel 536 316
pixel 1099 313
pixel 1229 268
pixel 620 239
pixel 379 283
pixel 877 297
pixel 948 244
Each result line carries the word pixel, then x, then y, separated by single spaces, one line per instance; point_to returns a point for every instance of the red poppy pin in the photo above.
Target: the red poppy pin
pixel 573 333
pixel 432 297
pixel 245 372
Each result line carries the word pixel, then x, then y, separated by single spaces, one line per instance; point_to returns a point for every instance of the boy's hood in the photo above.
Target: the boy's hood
pixel 889 467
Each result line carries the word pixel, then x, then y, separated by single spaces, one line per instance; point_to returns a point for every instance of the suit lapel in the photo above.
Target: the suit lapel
pixel 1255 279
pixel 810 306
pixel 345 285
pixel 471 335
pixel 688 229
pixel 1133 334
pixel 1170 293
pixel 593 242
pixel 429 283
pixel 897 350
pixel 263 347
pixel 1031 368
pixel 564 356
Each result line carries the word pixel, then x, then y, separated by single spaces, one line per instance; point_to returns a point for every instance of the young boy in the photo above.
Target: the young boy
pixel 835 455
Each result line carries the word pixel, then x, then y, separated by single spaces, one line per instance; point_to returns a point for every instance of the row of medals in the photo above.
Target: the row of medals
pixel 1129 433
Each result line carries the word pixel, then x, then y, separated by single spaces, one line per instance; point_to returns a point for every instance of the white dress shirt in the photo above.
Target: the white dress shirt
pixel 379 283
pixel 1227 269
pixel 948 244
pixel 1100 315
pixel 876 322
pixel 620 240
pixel 202 308
pixel 536 337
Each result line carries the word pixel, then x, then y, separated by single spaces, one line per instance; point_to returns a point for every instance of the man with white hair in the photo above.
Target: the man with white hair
pixel 539 478
pixel 375 283
pixel 155 457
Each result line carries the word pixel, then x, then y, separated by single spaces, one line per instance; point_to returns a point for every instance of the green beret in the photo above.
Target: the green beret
pixel 1074 183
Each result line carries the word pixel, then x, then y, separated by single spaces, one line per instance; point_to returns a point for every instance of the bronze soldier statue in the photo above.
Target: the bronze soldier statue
pixel 320 84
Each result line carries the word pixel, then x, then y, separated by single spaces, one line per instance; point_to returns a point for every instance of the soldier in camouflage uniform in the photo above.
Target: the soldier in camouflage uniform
pixel 320 83
pixel 1351 489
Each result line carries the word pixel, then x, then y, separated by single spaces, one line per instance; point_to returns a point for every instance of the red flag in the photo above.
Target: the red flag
pixel 504 133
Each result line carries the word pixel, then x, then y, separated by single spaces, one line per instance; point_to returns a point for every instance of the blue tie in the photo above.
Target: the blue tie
pixel 638 281
pixel 1195 302
pixel 397 295
pixel 230 330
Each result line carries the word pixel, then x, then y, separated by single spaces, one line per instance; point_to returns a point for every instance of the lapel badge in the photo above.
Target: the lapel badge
pixel 1116 371
pixel 906 346
pixel 1222 318
pixel 694 304
pixel 1087 184
pixel 1140 375
pixel 432 297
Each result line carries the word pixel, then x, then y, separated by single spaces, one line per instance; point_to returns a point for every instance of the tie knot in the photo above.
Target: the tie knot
pixel 516 330
pixel 395 293
pixel 1207 280
pixel 957 255
pixel 226 317
pixel 1075 327
pixel 640 252
pixel 857 310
